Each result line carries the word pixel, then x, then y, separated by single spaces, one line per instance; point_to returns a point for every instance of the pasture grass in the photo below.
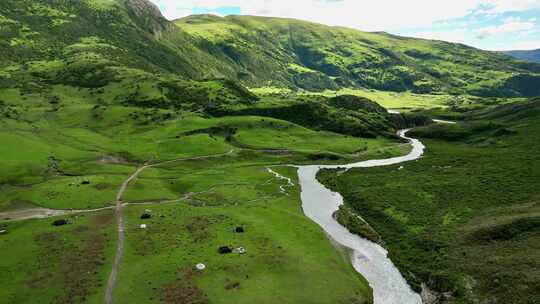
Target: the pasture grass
pixel 47 264
pixel 288 258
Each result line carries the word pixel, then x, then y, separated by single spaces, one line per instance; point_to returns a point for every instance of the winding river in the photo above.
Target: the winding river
pixel 368 258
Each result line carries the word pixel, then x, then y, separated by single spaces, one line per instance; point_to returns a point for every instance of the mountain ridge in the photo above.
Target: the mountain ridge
pixel 320 57
pixel 258 51
pixel 527 55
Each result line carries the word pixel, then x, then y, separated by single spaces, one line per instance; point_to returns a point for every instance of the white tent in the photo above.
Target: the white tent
pixel 200 266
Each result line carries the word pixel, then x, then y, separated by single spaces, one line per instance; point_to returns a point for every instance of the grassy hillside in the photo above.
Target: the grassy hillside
pixel 100 52
pixel 293 53
pixel 464 219
pixel 83 79
pixel 101 35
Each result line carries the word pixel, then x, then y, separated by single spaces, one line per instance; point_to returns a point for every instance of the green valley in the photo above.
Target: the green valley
pixel 147 160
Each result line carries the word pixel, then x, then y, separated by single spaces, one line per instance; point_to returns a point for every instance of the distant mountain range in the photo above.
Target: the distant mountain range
pixel 532 55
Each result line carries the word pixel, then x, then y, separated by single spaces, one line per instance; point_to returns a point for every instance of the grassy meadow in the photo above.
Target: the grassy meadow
pixel 73 147
pixel 285 251
pixel 47 264
pixel 76 157
pixel 287 258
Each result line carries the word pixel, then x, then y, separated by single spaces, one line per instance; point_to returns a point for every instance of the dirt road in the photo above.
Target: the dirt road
pixel 111 283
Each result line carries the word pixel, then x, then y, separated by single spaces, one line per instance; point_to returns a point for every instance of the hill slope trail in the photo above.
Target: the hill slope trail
pixel 111 283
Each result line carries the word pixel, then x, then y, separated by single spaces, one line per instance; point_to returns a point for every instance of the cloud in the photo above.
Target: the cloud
pixel 218 11
pixel 361 14
pixel 457 35
pixel 473 22
pixel 510 26
pixel 502 6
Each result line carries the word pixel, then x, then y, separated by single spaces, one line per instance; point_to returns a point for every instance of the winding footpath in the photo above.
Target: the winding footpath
pixel 40 213
pixel 368 258
pixel 121 236
pixel 111 283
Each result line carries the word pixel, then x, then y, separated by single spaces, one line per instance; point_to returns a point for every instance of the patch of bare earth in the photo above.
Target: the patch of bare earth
pixel 72 266
pixel 184 290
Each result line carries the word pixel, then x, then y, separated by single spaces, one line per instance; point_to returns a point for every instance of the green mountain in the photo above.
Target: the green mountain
pixel 284 52
pixel 256 51
pixel 532 55
pixel 112 48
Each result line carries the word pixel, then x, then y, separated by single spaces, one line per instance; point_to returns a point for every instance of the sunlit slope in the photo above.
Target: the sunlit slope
pixel 286 52
pixel 256 51
pixel 102 52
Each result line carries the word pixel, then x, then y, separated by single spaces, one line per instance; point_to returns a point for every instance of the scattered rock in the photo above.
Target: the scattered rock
pixel 145 216
pixel 102 186
pixel 428 296
pixel 143 226
pixel 224 250
pixel 239 229
pixel 241 250
pixel 61 222
pixel 53 165
pixel 232 285
pixel 200 266
pixel 3 231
